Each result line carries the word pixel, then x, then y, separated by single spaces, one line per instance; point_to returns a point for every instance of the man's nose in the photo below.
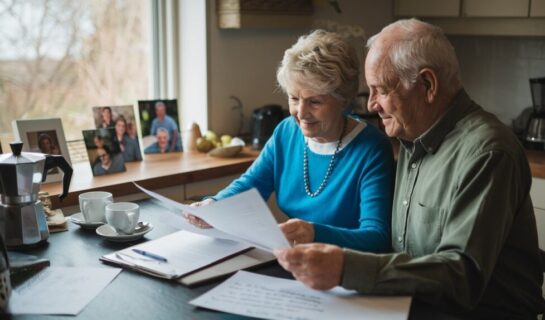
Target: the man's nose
pixel 372 104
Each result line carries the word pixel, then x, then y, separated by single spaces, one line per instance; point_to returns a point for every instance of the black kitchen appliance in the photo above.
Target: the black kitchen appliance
pixel 264 120
pixel 535 132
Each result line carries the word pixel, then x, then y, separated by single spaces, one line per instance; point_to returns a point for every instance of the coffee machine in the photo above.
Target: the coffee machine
pixel 535 132
pixel 22 217
pixel 264 120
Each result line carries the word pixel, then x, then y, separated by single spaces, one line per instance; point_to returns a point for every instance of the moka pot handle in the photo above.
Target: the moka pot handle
pixel 58 161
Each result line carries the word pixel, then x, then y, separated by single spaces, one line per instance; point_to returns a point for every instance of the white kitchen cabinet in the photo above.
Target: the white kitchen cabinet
pixel 495 8
pixel 427 8
pixel 478 17
pixel 537 8
pixel 537 193
pixel 195 190
pixel 540 221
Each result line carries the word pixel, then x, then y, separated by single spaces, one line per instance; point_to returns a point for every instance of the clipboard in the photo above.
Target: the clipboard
pixel 188 254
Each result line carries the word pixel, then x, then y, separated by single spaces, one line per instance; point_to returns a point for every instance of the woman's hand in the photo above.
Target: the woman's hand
pixel 196 221
pixel 297 231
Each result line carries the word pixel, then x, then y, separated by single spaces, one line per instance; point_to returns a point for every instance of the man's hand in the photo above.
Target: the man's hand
pixel 198 222
pixel 317 265
pixel 297 231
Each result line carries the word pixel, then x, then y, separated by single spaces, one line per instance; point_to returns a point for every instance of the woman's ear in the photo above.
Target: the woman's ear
pixel 429 80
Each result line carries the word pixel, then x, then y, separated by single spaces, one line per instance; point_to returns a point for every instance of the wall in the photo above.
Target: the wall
pixel 243 62
pixel 495 71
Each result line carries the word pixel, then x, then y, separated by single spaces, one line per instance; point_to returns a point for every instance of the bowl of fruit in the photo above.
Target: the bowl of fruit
pixel 224 147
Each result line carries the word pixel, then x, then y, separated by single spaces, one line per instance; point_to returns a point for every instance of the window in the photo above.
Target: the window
pixel 59 58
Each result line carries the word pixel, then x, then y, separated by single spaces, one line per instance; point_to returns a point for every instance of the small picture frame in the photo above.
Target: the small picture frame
pixel 103 150
pixel 159 125
pixel 122 120
pixel 43 136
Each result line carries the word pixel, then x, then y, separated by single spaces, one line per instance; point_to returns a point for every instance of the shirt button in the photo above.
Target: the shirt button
pixel 405 202
pixel 413 165
pixel 399 239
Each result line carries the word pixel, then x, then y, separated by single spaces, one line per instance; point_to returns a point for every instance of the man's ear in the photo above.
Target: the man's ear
pixel 429 80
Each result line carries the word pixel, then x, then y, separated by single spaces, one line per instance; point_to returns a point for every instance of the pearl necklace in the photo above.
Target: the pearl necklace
pixel 329 168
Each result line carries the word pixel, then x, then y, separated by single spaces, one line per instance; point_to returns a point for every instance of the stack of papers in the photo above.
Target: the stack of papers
pixel 184 251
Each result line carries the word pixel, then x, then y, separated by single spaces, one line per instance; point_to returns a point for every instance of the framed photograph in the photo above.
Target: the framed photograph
pixel 122 120
pixel 159 125
pixel 103 151
pixel 43 136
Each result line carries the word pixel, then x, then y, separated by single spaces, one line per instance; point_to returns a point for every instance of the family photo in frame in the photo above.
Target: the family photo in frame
pixel 103 151
pixel 43 136
pixel 159 125
pixel 122 120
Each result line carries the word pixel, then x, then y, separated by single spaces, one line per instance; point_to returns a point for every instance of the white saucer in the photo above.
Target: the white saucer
pixel 78 219
pixel 108 232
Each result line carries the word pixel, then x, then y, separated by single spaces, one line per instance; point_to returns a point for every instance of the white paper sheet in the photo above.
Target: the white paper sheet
pixel 60 291
pixel 265 297
pixel 244 216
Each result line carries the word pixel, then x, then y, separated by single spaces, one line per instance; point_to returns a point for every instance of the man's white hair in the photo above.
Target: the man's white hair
pixel 414 45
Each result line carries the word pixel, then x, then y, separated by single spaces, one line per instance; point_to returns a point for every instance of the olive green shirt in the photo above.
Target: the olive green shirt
pixel 463 226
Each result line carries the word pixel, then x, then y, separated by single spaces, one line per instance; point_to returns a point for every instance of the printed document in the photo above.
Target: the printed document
pixel 266 297
pixel 244 217
pixel 60 291
pixel 184 251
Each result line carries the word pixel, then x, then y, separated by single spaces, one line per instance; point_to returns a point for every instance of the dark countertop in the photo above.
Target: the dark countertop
pixel 133 295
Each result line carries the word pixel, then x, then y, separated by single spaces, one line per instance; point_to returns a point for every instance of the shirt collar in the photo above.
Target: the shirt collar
pixel 430 140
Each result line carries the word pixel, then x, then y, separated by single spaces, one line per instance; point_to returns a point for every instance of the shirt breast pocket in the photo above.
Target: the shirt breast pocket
pixel 425 229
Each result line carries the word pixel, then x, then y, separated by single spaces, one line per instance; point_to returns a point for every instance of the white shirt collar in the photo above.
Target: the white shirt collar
pixel 328 148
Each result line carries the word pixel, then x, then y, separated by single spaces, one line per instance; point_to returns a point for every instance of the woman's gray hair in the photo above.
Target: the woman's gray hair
pixel 323 62
pixel 420 45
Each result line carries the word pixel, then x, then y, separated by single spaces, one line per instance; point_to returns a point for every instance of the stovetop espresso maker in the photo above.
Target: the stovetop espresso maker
pixel 22 217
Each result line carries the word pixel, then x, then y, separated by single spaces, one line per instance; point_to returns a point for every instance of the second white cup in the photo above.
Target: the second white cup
pixel 123 216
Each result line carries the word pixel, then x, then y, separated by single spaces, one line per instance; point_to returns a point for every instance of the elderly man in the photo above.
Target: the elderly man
pixel 463 228
pixel 163 120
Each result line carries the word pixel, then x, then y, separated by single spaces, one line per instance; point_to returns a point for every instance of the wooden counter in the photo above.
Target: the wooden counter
pixel 155 171
pixel 537 163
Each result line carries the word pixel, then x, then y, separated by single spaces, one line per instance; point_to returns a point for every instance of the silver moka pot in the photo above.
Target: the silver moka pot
pixel 22 217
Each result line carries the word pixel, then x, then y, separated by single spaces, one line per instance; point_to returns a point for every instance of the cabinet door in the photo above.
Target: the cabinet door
pixel 496 8
pixel 537 193
pixel 427 8
pixel 540 221
pixel 537 8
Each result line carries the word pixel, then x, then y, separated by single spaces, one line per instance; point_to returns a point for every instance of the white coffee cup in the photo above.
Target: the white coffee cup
pixel 93 205
pixel 123 216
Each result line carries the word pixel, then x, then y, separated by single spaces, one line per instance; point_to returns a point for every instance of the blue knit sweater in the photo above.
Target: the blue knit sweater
pixel 353 210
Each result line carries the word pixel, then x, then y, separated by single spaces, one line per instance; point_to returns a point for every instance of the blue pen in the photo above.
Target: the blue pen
pixel 151 255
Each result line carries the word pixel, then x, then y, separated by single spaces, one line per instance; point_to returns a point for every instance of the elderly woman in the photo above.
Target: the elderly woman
pixel 332 174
